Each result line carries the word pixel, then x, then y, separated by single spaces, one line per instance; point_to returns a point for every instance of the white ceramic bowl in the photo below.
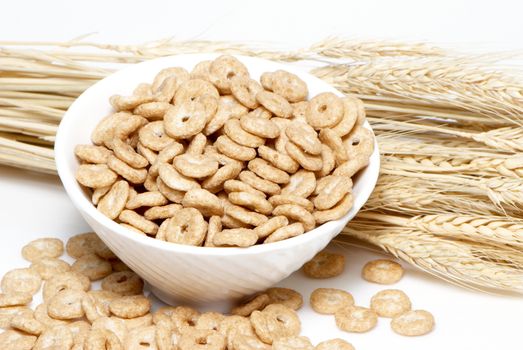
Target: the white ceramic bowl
pixel 179 273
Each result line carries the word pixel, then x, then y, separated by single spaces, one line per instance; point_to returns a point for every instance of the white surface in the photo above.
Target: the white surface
pixel 33 205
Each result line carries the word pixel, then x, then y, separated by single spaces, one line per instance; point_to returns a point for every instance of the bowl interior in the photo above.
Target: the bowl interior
pixel 93 105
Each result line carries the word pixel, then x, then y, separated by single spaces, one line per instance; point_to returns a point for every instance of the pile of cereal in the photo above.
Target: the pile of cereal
pixel 215 158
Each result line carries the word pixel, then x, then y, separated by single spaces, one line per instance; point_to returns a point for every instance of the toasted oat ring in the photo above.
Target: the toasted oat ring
pixel 101 299
pixel 102 339
pixel 302 184
pixel 197 144
pixel 173 179
pixel 215 226
pixel 126 103
pixel 324 110
pixel 42 316
pixel 98 194
pixel 328 160
pixel 359 143
pixel 184 318
pixel 187 119
pixel 92 266
pixel 230 222
pixel 111 324
pixel 165 92
pixel 43 248
pixel 228 108
pixel 28 324
pixel 288 85
pixel 413 323
pixel 66 304
pixel 280 199
pixel 260 112
pixel 123 283
pixel 236 237
pixel 152 110
pixel 132 228
pixel 296 213
pixel 200 339
pixel 206 202
pixel 147 199
pixel 331 139
pixel 334 344
pixel 336 212
pixel 105 129
pixel 292 343
pixel 264 170
pixel 259 126
pixel 9 312
pixel 147 153
pixel 153 136
pixel 161 212
pixel 193 89
pixel 95 175
pixel 65 280
pixel 238 186
pixel 351 167
pixel 135 176
pixel 280 160
pixel 307 161
pixel 258 302
pixel 350 115
pixel 330 190
pixel 235 132
pixel 258 183
pixel 226 172
pixel 47 267
pixel 285 232
pixel 276 104
pixel 245 216
pixel 390 303
pixel 134 219
pixel 14 340
pixel 304 136
pixel 247 342
pixel 15 299
pixel 356 319
pixel 127 154
pixel 112 204
pixel 201 70
pixel 382 271
pixel 58 337
pixel 298 111
pixel 187 226
pixel 330 300
pixel 180 74
pixel 275 321
pixel 92 154
pixel 245 90
pixel 285 296
pixel 234 150
pixel 223 69
pixel 195 166
pixel 325 265
pixel 24 280
pixel 251 201
pixel 210 320
pixel 270 226
pixel 222 159
pixel 130 306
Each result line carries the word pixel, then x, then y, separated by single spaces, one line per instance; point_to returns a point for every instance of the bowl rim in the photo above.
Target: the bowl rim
pixel 80 201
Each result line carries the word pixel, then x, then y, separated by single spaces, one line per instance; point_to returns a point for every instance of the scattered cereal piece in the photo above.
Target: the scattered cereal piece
pixel 325 265
pixel 334 344
pixel 292 343
pixel 285 296
pixel 257 302
pixel 124 283
pixel 48 267
pixel 15 340
pixel 382 271
pixel 274 322
pixel 413 323
pixel 92 266
pixel 390 303
pixel 43 248
pixel 130 306
pixel 356 319
pixel 24 280
pixel 330 300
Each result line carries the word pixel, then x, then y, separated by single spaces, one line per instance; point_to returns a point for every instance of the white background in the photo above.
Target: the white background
pixel 35 205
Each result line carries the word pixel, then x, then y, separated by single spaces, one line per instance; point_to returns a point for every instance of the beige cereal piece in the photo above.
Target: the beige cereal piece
pixel 258 302
pixel 42 316
pixel 296 213
pixel 132 228
pixel 234 150
pixel 304 136
pixel 330 190
pixel 207 203
pixel 202 339
pixel 227 172
pixel 58 337
pixel 413 323
pixel 123 283
pixel 43 248
pixel 329 300
pixel 223 69
pixel 79 330
pixel 152 110
pixel 66 280
pixel 335 143
pixel 324 110
pixel 119 265
pixel 150 183
pixel 356 319
pixel 274 322
pixel 228 108
pixel 7 314
pixel 193 89
pixel 167 155
pixel 112 204
pixel 390 303
pixel 275 103
pixel 282 139
pixel 350 115
pixel 135 176
pixel 268 172
pixel 197 145
pixel 258 183
pixel 173 179
pixel 86 243
pixel 98 194
pixel 285 232
pixel 25 280
pixel 182 317
pixel 105 129
pixel 288 85
pixel 260 112
pixel 234 326
pixel 126 153
pixel 222 159
pixel 266 80
pixel 245 216
pixel 336 212
pixel 112 324
pixel 214 226
pixel 298 111
pixel 236 237
pixel 281 199
pixel 285 296
pixel 14 340
pixel 92 266
pixel 165 92
pixel 292 343
pixel 187 119
pixel 280 160
pixel 328 160
pixel 130 306
pixel 181 75
pixel 28 324
pixel 166 337
pixel 187 226
pixel 101 299
pixel 161 212
pixel 169 193
pixel 247 342
pixel 66 304
pixel 195 166
pixel 15 299
pixel 325 265
pixel 153 136
pixel 146 199
pixel 210 320
pixel 134 219
pixel 201 70
pixel 92 154
pixel 307 161
pixel 382 271
pixel 236 133
pixel 359 151
pixel 126 103
pixel 137 322
pixel 92 313
pixel 334 344
pixel 251 201
pixel 244 90
pixel 259 126
pixel 95 175
pixel 102 339
pixel 230 222
pixel 238 186
pixel 141 338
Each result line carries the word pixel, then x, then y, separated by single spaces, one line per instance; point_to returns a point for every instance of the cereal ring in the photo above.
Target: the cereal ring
pixel 153 136
pixel 197 145
pixel 215 226
pixel 230 222
pixel 105 129
pixel 143 89
pixel 166 337
pixel 152 110
pixel 119 265
pixel 135 176
pixel 43 248
pixel 245 216
pixel 288 85
pixel 302 184
pixel 41 315
pixel 359 143
pixel 260 112
pixel 95 175
pixel 146 199
pixel 307 161
pixel 282 139
pixel 206 202
pixel 390 303
pixel 329 300
pixel 187 119
pixel 14 340
pixel 58 337
pixel 298 111
pixel 328 160
pixel 134 219
pixel 92 154
pixel 202 339
pixel 227 172
pixel 276 104
pixel 266 80
pixel 112 324
pixel 334 142
pixel 382 271
pixel 334 344
pixel 28 324
pixel 100 300
pixel 236 237
pixel 9 312
pixel 264 170
pixel 238 186
pixel 222 159
pixel 66 304
pixel 324 110
pixel 195 166
pixel 228 107
pixel 92 266
pixel 166 156
pixel 350 115
pixel 247 342
pixel 209 320
pixel 413 323
pixel 125 103
pixel 223 69
pixel 296 213
pixel 162 212
pixel 270 226
pixel 123 283
pixel 292 343
pixel 87 243
pixel 66 280
pixel 48 267
pixel 130 306
pixel 173 179
pixel 235 132
pixel 285 296
pixel 304 136
pixel 132 228
pixel 234 326
pixel 98 194
pixel 184 318
pixel 336 212
pixel 330 190
pixel 251 201
pixel 102 339
pixel 274 322
pixel 279 160
pixel 257 302
pixel 356 319
pixel 280 199
pixel 201 70
pixel 112 204
pixel 244 90
pixel 169 193
pixel 325 265
pixel 123 151
pixel 15 299
pixel 180 74
pixel 352 166
pixel 285 232
pixel 193 89
pixel 187 226
pixel 137 322
pixel 258 183
pixel 234 150
pixel 259 126
pixel 150 183
pixel 24 280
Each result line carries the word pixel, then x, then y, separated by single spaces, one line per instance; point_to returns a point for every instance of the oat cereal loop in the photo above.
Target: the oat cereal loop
pixel 330 300
pixel 413 323
pixel 382 271
pixel 325 265
pixel 390 303
pixel 356 319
